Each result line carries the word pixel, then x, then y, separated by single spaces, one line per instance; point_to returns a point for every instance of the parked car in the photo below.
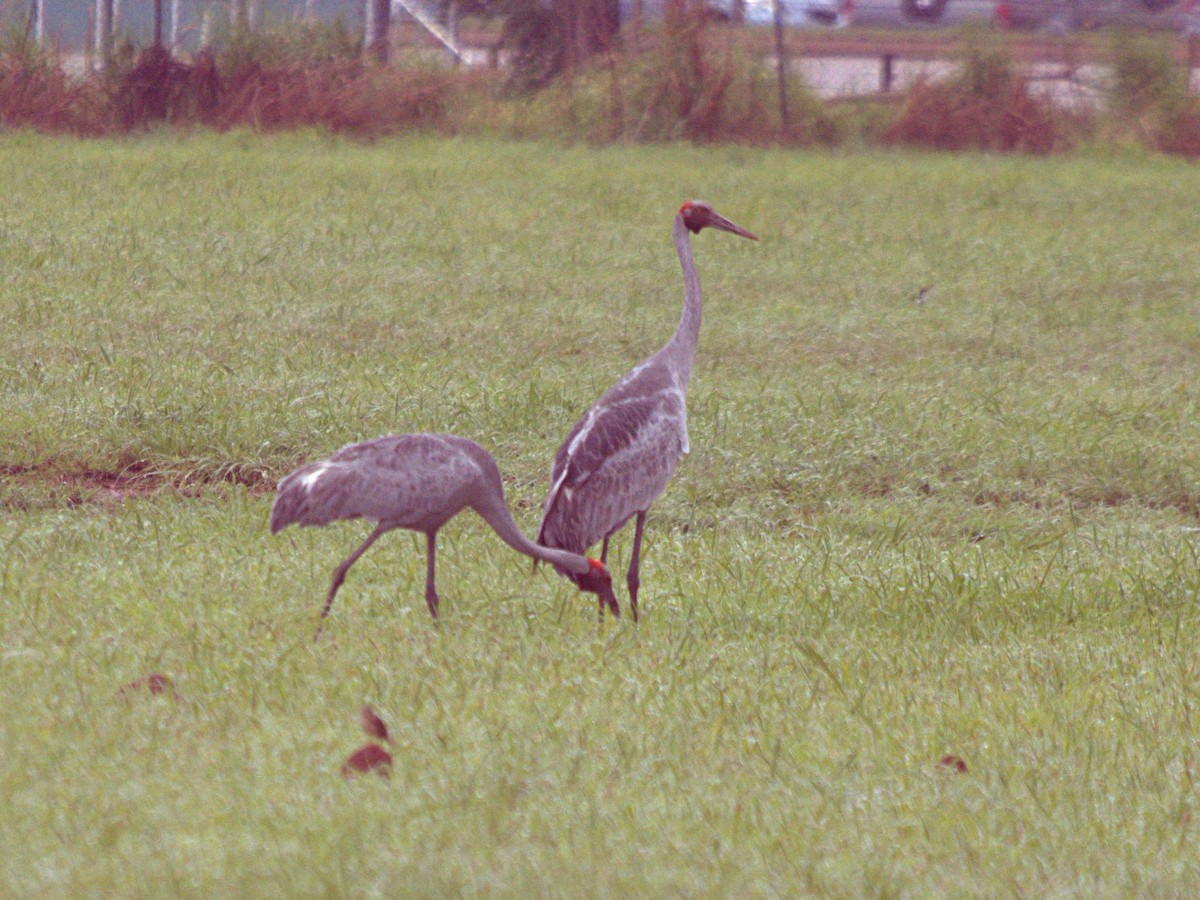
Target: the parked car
pixel 878 13
pixel 892 13
pixel 928 10
pixel 1064 16
pixel 837 13
pixel 795 12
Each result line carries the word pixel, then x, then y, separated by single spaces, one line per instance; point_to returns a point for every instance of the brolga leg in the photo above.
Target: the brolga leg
pixel 339 574
pixel 632 578
pixel 431 597
pixel 604 562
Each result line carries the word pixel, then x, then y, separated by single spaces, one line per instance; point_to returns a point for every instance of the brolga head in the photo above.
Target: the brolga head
pixel 697 214
pixel 597 580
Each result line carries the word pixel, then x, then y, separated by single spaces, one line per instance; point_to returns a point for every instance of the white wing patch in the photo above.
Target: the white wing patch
pixel 634 372
pixel 310 479
pixel 583 432
pixel 554 488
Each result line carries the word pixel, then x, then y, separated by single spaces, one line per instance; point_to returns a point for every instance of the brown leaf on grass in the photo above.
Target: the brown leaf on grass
pixel 155 683
pixel 950 761
pixel 373 725
pixel 368 758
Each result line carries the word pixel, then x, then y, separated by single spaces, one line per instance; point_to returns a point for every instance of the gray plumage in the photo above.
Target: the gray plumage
pixel 619 457
pixel 418 482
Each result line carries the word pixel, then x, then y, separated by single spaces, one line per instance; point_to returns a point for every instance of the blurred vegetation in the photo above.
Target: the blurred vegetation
pixel 986 105
pixel 1150 101
pixel 684 78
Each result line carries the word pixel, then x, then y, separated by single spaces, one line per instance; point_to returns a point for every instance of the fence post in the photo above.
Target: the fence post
pixel 452 26
pixel 785 118
pixel 885 72
pixel 379 22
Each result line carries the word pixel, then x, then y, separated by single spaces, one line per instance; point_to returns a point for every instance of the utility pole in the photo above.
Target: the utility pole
pixel 379 24
pixel 35 28
pixel 104 31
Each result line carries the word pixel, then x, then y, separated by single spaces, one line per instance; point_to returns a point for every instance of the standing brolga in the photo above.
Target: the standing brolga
pixel 619 457
pixel 418 482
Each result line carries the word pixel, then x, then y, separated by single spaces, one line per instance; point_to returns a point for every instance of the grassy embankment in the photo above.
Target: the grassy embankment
pixel 962 522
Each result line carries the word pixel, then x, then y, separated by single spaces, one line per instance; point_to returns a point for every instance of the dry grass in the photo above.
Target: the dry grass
pixel 339 95
pixel 1181 134
pixel 41 96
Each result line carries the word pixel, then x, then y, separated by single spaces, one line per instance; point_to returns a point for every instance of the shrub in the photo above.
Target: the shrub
pixel 287 44
pixel 35 93
pixel 681 86
pixel 1149 100
pixel 986 106
pixel 1179 132
pixel 349 97
pixel 1146 77
pixel 342 95
pixel 533 40
pixel 159 88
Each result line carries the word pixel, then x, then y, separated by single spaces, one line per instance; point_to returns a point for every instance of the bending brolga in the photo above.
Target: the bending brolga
pixel 418 482
pixel 619 457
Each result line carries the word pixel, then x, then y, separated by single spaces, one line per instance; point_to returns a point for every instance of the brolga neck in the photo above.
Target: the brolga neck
pixel 496 513
pixel 682 346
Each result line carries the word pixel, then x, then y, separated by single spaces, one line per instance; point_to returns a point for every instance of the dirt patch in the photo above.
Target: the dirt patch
pixel 51 484
pixel 1186 503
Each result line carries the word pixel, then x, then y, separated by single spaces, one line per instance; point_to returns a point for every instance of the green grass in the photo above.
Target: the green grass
pixel 965 524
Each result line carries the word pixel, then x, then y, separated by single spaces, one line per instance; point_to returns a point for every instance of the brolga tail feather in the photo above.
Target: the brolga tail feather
pixel 315 494
pixel 291 504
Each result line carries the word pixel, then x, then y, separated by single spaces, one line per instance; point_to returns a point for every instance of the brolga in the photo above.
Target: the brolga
pixel 619 457
pixel 418 482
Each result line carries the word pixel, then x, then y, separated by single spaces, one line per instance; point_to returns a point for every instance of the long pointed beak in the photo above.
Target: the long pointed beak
pixel 719 221
pixel 610 600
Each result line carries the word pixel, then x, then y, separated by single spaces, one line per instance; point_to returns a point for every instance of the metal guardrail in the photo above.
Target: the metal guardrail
pixel 1069 52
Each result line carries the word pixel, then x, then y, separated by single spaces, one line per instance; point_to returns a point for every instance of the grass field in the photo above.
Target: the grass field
pixel 943 499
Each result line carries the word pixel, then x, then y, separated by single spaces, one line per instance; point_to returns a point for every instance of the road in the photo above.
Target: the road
pixel 1082 88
